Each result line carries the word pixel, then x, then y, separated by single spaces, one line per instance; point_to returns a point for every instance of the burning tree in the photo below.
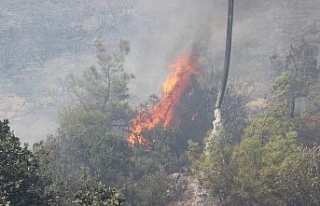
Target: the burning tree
pixel 163 112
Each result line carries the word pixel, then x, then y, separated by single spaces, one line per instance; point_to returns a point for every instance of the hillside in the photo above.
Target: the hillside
pixel 42 42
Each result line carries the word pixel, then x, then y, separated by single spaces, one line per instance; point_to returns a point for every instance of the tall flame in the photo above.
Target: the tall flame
pixel 162 113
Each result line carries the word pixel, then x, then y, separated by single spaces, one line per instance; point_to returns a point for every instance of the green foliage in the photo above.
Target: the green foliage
pixel 300 65
pixel 159 157
pixel 21 181
pixel 102 154
pixel 70 185
pixel 301 175
pixel 268 166
pixel 258 158
pixel 298 72
pixel 99 96
pixel 98 195
pixel 92 132
pixel 89 149
pixel 213 169
pixel 152 189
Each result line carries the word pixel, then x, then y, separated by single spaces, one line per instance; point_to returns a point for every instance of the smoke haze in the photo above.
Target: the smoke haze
pixel 48 40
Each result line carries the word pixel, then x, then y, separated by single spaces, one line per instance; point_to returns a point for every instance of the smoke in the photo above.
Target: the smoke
pixel 261 28
pixel 166 30
pixel 158 32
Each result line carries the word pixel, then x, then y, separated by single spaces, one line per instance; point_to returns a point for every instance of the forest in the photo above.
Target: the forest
pixel 118 140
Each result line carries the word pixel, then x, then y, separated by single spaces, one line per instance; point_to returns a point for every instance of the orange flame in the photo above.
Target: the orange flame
pixel 162 113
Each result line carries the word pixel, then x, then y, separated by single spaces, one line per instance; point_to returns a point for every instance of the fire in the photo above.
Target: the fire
pixel 162 113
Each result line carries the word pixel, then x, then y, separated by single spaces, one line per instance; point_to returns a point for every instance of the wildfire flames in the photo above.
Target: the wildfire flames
pixel 162 113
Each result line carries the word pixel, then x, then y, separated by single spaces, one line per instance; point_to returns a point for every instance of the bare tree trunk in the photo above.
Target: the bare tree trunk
pixel 217 113
pixel 203 194
pixel 227 55
pixel 217 124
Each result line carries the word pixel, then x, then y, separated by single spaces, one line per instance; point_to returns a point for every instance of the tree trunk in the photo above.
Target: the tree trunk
pixel 227 55
pixel 217 125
